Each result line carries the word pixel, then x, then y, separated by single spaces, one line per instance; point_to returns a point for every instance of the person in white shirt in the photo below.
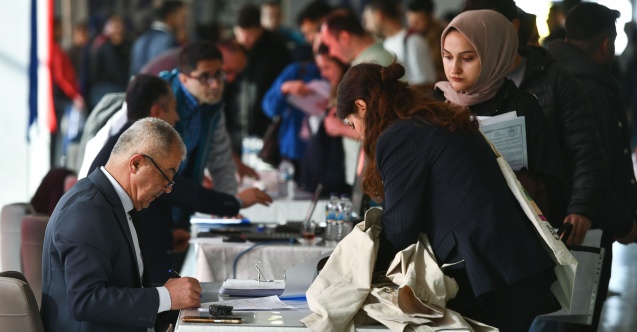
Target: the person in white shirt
pixel 383 19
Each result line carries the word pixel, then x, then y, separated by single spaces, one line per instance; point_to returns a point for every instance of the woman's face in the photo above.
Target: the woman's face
pixel 461 62
pixel 355 120
pixel 329 69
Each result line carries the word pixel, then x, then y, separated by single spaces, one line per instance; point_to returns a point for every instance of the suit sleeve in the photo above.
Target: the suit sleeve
pixel 220 163
pixel 404 174
pixel 192 197
pixel 85 245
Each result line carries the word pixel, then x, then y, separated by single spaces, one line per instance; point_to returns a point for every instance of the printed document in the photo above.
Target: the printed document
pixel 507 132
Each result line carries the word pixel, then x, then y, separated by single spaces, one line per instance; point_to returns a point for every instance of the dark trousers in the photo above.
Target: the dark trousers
pixel 512 308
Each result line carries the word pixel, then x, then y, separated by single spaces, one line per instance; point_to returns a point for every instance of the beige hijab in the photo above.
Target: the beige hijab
pixel 496 43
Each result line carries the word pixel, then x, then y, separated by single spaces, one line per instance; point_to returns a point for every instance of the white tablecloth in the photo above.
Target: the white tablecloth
pixel 214 259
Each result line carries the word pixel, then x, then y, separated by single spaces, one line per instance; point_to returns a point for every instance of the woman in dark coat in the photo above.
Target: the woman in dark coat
pixel 436 174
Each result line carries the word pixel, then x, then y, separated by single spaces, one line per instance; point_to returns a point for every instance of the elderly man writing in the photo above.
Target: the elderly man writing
pixel 92 267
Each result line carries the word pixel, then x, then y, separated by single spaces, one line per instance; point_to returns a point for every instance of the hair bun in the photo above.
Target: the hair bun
pixel 393 72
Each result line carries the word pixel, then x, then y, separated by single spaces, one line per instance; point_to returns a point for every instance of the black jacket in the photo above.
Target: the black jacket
pixel 620 197
pixel 244 114
pixel 543 154
pixel 559 95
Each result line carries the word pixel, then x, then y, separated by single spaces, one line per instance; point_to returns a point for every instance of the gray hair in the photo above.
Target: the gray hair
pixel 151 136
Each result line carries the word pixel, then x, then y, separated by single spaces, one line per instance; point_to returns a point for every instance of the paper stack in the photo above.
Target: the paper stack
pixel 251 288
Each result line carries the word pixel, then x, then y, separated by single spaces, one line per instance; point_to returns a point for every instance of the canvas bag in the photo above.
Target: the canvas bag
pixel 566 264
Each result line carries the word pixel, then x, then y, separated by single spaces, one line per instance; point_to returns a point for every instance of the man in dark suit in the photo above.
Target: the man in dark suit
pixel 92 267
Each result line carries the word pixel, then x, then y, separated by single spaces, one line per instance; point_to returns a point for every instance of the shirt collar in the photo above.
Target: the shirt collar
pixel 123 196
pixel 159 25
pixel 190 99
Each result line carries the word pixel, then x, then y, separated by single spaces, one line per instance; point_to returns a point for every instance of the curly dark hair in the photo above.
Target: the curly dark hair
pixel 388 100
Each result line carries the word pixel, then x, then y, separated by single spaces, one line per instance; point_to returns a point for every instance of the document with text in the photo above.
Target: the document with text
pixel 507 132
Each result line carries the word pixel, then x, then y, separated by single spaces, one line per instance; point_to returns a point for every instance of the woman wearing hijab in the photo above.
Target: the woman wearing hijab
pixel 436 174
pixel 478 48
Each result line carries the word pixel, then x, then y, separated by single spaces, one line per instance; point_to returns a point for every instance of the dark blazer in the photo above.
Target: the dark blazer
pixel 156 221
pixel 90 278
pixel 449 186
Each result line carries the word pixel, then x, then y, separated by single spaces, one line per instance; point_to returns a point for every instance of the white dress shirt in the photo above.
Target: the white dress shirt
pixel 164 296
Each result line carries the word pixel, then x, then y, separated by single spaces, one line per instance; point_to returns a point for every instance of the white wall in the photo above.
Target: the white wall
pixel 22 165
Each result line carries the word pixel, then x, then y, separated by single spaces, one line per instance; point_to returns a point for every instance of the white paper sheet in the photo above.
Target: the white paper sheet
pixel 508 135
pixel 253 304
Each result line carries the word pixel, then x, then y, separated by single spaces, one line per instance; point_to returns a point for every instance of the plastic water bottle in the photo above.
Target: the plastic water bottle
pixel 285 174
pixel 345 224
pixel 330 218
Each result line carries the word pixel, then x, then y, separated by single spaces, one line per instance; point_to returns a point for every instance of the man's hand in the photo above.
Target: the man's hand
pixel 253 196
pixel 333 125
pixel 630 237
pixel 295 88
pixel 78 102
pixel 581 225
pixel 245 170
pixel 180 240
pixel 184 293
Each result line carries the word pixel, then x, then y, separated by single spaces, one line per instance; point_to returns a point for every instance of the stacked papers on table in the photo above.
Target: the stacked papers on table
pixel 251 288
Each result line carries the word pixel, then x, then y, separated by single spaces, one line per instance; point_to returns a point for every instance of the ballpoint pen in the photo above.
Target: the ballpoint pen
pixel 173 273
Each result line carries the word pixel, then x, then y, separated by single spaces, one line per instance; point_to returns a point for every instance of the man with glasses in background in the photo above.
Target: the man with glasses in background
pixel 150 96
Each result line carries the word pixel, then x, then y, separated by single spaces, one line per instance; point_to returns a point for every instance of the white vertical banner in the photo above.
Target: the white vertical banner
pixel 40 137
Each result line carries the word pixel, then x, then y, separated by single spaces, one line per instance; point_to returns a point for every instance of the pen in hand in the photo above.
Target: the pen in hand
pixel 173 273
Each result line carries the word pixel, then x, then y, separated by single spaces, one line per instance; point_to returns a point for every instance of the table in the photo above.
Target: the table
pixel 213 259
pixel 264 321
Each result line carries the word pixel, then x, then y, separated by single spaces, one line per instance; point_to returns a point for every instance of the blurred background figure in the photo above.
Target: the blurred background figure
pixel 162 35
pixel 555 22
pixel 79 40
pixel 267 56
pixel 271 17
pixel 310 18
pixel 527 32
pixel 421 19
pixel 108 61
pixel 66 97
pixel 383 18
pixel 324 157
pixel 56 182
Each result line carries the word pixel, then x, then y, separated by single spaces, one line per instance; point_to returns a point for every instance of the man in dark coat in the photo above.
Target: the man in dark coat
pixel 588 53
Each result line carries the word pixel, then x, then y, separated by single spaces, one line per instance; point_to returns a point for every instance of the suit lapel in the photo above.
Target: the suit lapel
pixel 104 185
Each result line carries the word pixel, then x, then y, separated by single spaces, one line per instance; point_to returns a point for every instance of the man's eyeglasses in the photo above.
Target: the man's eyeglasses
pixel 207 79
pixel 170 183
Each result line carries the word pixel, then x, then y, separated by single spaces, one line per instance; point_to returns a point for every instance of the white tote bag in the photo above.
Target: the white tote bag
pixel 566 264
